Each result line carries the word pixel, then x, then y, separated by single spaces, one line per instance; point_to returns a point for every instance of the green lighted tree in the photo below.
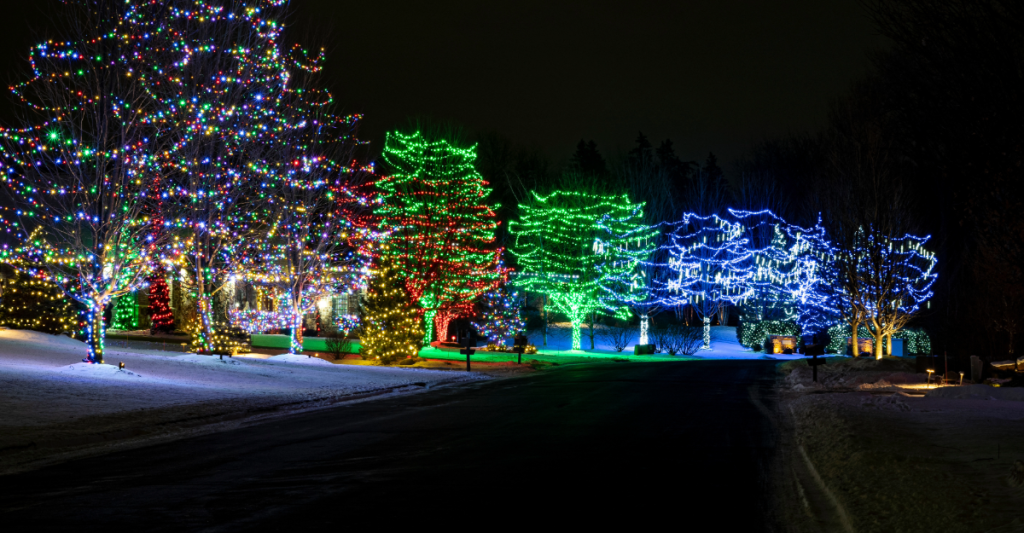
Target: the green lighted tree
pixel 440 228
pixel 581 250
pixel 126 316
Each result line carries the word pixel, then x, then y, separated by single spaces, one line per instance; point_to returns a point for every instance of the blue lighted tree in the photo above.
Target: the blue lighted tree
pixel 709 266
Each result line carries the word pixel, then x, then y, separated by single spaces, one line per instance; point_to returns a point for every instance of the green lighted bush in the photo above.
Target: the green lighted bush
pixel 756 333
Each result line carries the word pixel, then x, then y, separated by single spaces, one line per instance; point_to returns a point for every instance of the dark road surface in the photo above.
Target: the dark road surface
pixel 682 445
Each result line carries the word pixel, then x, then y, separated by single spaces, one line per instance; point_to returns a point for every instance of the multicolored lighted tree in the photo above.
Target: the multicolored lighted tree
pixel 79 168
pixel 392 324
pixel 573 246
pixel 306 246
pixel 500 317
pixel 440 228
pixel 219 78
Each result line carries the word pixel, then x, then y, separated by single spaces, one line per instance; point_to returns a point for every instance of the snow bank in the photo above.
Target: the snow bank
pixel 98 371
pixel 979 392
pixel 298 359
pixel 39 340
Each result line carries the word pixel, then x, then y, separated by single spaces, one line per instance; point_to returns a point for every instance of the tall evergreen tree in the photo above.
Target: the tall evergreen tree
pixel 677 171
pixel 642 153
pixel 712 169
pixel 442 230
pixel 588 160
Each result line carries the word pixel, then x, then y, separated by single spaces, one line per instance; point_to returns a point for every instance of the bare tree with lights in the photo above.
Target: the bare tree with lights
pixel 80 168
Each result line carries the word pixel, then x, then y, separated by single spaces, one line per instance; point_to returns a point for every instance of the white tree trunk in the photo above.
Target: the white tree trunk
pixel 707 334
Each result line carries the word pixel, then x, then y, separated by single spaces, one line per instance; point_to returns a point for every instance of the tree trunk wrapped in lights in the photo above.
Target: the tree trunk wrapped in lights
pixel 576 248
pixel 897 277
pixel 440 228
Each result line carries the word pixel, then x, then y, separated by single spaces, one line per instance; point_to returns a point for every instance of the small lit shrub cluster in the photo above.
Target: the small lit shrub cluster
pixel 502 348
pixel 915 340
pixel 756 333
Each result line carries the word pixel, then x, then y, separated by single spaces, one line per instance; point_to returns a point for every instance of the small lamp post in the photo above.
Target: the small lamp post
pixel 961 379
pixel 930 377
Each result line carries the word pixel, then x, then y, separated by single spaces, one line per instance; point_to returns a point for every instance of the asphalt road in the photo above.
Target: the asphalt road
pixel 658 445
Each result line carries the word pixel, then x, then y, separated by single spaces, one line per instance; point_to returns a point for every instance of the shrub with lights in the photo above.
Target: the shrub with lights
pixel 31 303
pixel 501 318
pixel 125 315
pixel 757 332
pixel 916 341
pixel 160 315
pixel 392 324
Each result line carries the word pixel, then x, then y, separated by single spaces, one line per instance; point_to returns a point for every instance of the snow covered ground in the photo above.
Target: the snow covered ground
pixel 724 345
pixel 52 404
pixel 901 455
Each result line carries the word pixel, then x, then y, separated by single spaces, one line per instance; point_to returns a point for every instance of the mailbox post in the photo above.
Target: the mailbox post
pixel 519 346
pixel 814 362
pixel 468 350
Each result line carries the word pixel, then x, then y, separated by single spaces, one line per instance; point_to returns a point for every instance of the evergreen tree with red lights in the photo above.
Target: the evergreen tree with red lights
pixel 161 317
pixel 441 229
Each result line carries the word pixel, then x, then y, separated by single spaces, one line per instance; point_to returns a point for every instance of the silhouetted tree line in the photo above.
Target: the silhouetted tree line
pixel 930 142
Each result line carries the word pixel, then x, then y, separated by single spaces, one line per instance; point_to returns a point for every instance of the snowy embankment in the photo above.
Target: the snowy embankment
pixel 53 405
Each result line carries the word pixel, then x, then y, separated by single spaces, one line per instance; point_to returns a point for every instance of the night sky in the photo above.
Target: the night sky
pixel 709 74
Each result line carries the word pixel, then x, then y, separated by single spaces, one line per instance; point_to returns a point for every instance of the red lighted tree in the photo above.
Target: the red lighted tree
pixel 161 317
